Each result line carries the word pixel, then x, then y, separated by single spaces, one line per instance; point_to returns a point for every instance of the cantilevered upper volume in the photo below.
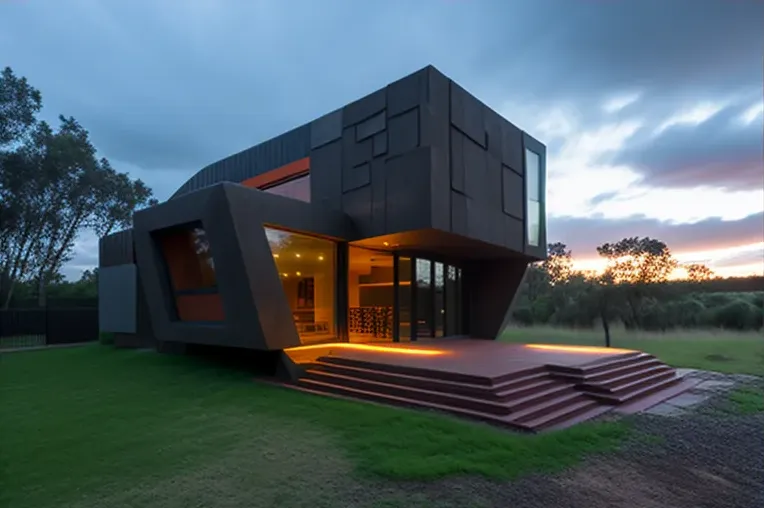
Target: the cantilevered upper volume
pixel 412 212
pixel 420 153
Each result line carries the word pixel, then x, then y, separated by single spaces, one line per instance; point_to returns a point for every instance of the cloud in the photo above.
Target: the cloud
pixel 719 151
pixel 583 235
pixel 167 87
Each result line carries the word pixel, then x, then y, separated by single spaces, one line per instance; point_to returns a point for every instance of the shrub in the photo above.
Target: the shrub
pixel 738 315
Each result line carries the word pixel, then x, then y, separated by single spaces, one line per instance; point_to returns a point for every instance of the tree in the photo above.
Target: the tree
pixel 559 263
pixel 638 260
pixel 698 272
pixel 634 267
pixel 19 104
pixel 53 187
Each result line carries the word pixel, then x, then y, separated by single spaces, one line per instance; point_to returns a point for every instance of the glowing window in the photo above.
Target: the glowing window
pixel 307 268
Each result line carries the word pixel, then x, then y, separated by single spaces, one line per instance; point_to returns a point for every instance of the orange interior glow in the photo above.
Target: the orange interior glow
pixel 578 349
pixel 369 347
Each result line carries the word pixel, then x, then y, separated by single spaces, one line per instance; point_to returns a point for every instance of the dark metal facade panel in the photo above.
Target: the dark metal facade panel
pixel 116 249
pixel 408 192
pixel 408 92
pixel 326 175
pixel 513 194
pixel 326 129
pixel 259 159
pixel 364 108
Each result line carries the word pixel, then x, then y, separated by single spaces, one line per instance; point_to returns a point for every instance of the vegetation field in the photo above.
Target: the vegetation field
pixel 94 426
pixel 717 350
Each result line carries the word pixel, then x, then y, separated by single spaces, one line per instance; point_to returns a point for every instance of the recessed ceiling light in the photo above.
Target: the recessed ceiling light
pixel 298 274
pixel 297 255
pixel 285 274
pixel 320 258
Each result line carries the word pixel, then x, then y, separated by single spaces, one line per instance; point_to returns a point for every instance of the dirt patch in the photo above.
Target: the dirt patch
pixel 718 358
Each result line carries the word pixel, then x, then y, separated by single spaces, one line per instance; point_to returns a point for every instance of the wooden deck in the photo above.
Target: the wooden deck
pixel 529 387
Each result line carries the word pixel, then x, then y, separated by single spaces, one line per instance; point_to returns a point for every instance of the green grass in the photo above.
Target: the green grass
pixel 729 352
pixel 94 426
pixel 746 400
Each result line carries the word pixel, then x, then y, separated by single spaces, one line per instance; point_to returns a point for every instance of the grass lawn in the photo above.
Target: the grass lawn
pixel 746 400
pixel 94 426
pixel 730 352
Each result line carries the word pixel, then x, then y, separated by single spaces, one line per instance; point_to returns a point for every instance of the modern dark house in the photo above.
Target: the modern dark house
pixel 364 255
pixel 409 213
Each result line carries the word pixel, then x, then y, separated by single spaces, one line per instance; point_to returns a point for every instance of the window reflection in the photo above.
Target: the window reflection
pixel 191 268
pixel 298 188
pixel 440 311
pixel 424 298
pixel 533 193
pixel 306 267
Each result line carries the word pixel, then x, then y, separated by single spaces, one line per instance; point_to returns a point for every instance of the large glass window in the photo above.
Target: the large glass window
pixel 371 295
pixel 533 193
pixel 297 188
pixel 307 269
pixel 191 268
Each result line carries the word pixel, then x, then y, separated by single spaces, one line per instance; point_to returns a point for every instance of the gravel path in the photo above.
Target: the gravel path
pixel 705 458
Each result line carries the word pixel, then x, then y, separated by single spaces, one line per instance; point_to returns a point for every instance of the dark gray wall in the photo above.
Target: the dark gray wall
pixel 116 249
pixel 490 288
pixel 117 299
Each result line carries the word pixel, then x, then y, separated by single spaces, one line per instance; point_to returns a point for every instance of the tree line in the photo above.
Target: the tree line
pixel 634 289
pixel 53 187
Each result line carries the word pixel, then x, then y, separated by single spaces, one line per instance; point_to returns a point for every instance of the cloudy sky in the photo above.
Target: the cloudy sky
pixel 651 109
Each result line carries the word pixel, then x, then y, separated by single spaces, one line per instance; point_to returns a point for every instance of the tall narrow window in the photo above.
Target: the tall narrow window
pixel 533 193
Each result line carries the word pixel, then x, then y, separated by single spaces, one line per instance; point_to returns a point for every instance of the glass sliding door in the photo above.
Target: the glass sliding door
pixel 405 311
pixel 401 298
pixel 424 299
pixel 371 295
pixel 452 301
pixel 440 301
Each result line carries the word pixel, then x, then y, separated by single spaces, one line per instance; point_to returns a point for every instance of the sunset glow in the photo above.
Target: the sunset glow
pixel 713 258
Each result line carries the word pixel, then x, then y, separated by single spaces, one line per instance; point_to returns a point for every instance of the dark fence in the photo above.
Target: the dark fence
pixel 29 327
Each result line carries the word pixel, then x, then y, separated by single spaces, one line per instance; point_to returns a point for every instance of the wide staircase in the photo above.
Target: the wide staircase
pixel 631 382
pixel 533 399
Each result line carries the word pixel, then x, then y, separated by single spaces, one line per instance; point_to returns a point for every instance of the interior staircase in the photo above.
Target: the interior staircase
pixel 533 399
